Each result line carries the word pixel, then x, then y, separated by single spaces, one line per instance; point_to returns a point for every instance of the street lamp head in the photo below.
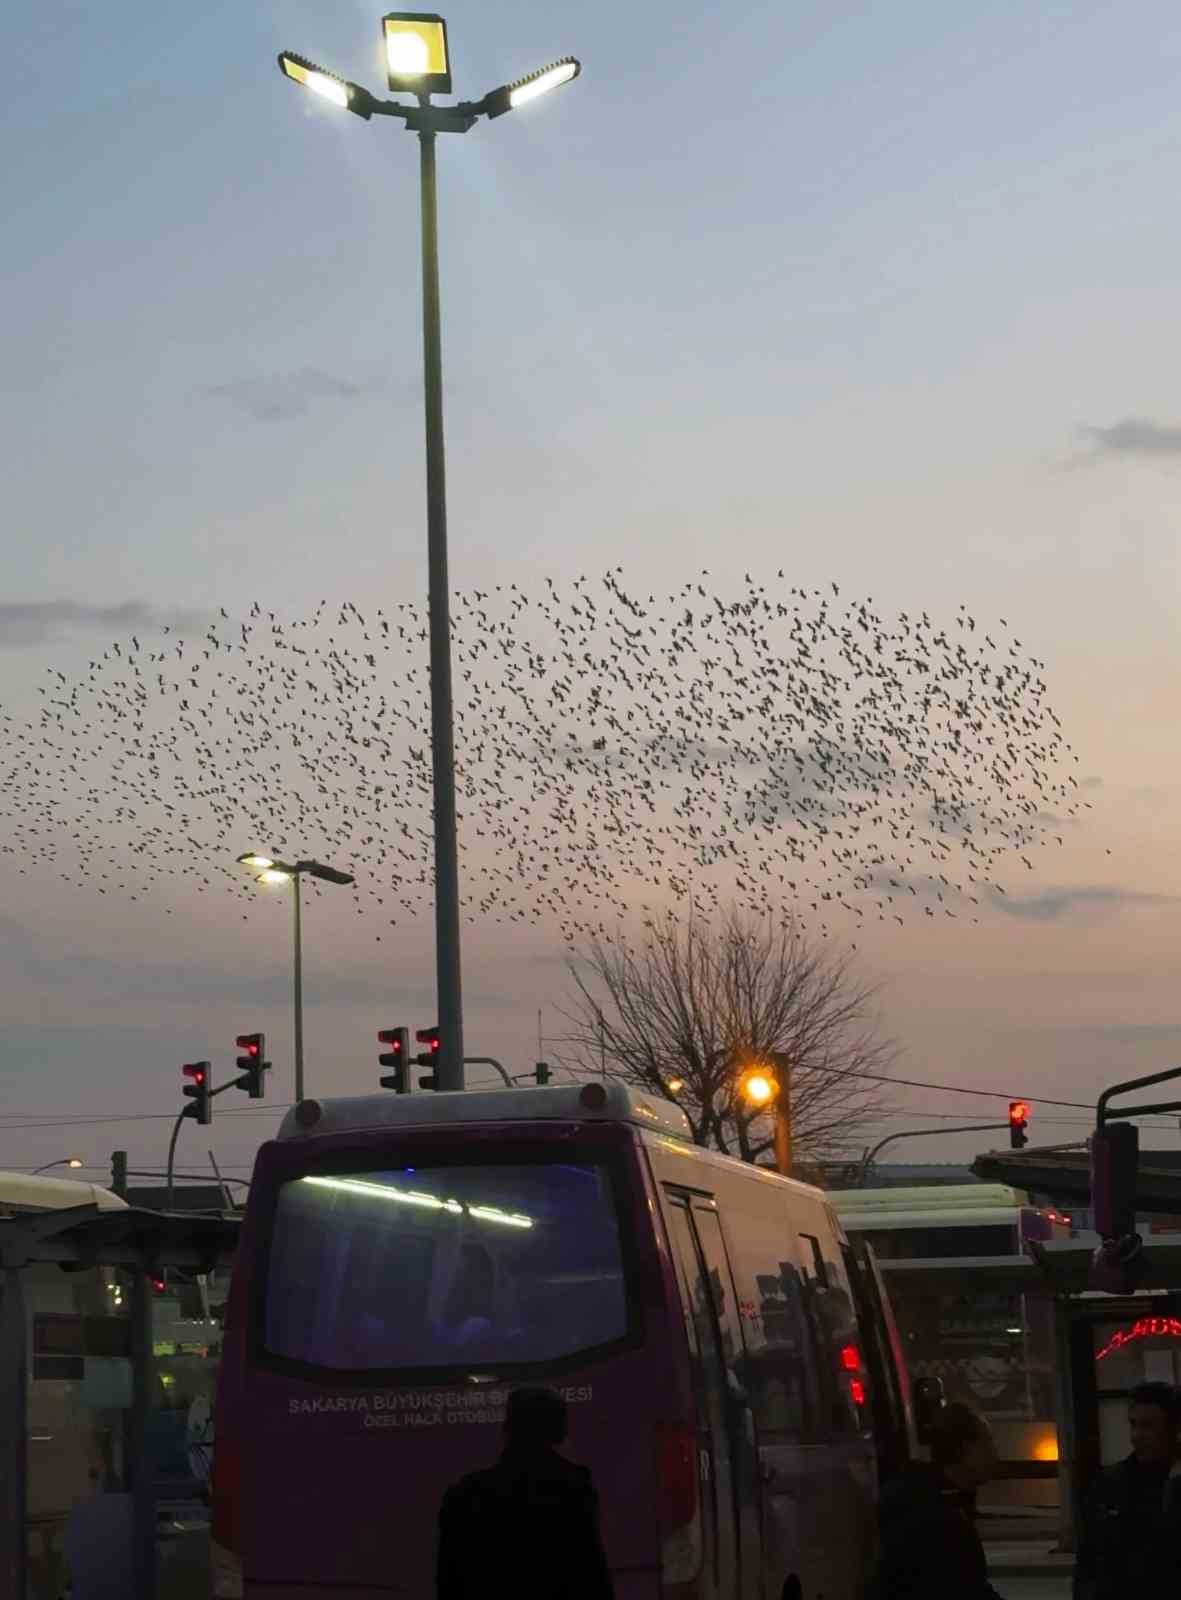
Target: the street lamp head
pixel 317 869
pixel 275 875
pixel 758 1087
pixel 337 91
pixel 253 859
pixel 511 95
pixel 75 1162
pixel 417 58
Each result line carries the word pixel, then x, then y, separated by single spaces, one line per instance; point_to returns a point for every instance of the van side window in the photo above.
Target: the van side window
pixel 834 1320
pixel 780 1366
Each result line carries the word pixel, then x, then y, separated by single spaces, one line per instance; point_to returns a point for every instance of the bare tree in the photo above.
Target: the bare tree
pixel 679 1013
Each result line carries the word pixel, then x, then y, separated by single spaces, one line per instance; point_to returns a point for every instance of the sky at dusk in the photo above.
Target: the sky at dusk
pixel 885 297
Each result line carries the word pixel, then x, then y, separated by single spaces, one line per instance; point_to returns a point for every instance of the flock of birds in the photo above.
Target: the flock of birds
pixel 780 748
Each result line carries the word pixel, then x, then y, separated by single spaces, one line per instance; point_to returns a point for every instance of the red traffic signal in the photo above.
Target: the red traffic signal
pixel 252 1062
pixel 397 1056
pixel 428 1057
pixel 198 1090
pixel 1018 1123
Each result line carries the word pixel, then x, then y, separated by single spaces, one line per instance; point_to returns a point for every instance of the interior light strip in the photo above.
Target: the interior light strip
pixel 430 1202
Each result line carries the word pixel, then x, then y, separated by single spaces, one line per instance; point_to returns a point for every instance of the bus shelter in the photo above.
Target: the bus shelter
pixel 143 1245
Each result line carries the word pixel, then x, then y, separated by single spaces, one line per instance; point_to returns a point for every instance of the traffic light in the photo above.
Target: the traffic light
pixel 397 1057
pixel 1115 1160
pixel 199 1091
pixel 541 1072
pixel 429 1057
pixel 252 1062
pixel 1018 1123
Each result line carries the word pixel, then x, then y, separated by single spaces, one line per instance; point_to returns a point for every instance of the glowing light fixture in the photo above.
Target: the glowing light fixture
pixel 758 1087
pixel 511 95
pixel 417 59
pixel 429 1202
pixel 337 91
pixel 251 859
pixel 275 875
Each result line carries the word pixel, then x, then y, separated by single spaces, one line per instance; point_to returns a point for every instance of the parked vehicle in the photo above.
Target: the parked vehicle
pixel 406 1259
pixel 972 1314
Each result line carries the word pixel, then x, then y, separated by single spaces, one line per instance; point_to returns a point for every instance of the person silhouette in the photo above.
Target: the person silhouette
pixel 529 1526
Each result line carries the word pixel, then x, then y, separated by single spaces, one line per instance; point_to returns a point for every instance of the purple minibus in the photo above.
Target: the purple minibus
pixel 406 1260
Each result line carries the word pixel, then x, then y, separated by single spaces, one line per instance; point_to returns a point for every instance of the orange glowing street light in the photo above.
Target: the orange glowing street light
pixel 766 1089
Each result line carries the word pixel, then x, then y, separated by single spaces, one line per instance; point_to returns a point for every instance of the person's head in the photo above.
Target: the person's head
pixel 1154 1415
pixel 962 1446
pixel 535 1418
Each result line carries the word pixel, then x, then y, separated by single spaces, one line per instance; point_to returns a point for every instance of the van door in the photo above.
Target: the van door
pixel 744 1457
pixel 720 1503
pixel 890 1402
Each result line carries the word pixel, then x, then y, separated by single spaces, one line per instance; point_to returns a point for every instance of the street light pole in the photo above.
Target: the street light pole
pixel 275 871
pixel 297 982
pixel 419 65
pixel 448 978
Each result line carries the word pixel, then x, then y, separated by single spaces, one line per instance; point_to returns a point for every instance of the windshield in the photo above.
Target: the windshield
pixel 427 1267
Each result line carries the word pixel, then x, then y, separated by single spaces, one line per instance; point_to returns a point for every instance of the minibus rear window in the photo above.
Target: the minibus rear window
pixel 448 1265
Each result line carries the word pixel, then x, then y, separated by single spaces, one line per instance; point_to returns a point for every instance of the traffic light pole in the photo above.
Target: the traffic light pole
pixel 172 1150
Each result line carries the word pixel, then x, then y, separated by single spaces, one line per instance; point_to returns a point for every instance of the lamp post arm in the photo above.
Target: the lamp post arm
pixel 920 1133
pixel 427 118
pixel 488 1061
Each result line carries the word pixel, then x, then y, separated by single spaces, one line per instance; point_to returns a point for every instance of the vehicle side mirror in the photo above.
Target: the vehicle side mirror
pixel 929 1401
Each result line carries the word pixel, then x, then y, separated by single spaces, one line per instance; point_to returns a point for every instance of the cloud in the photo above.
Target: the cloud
pixel 1081 904
pixel 284 394
pixel 32 622
pixel 1135 436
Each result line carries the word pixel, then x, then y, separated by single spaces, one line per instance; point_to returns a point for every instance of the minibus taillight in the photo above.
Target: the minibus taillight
pixel 679 1503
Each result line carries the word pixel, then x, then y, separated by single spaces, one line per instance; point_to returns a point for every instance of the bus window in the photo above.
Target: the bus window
pixel 448 1264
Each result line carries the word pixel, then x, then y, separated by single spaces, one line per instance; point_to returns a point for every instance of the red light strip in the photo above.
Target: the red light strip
pixel 1145 1328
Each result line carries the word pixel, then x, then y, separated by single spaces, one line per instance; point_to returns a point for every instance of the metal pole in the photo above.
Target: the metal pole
pixel 297 985
pixel 783 1124
pixel 14 1434
pixel 172 1151
pixel 489 1061
pixel 920 1133
pixel 143 1487
pixel 448 981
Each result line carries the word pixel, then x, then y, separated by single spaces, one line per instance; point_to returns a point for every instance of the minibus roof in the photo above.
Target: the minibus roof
pixel 576 1102
pixel 29 1191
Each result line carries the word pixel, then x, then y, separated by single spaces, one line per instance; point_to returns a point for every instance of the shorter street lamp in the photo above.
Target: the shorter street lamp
pixel 63 1161
pixel 768 1089
pixel 273 871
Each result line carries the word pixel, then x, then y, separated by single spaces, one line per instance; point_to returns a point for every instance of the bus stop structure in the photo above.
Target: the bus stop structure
pixel 144 1243
pixel 1095 1330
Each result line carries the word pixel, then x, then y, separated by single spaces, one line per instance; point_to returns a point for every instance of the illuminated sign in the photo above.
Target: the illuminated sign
pixel 1145 1328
